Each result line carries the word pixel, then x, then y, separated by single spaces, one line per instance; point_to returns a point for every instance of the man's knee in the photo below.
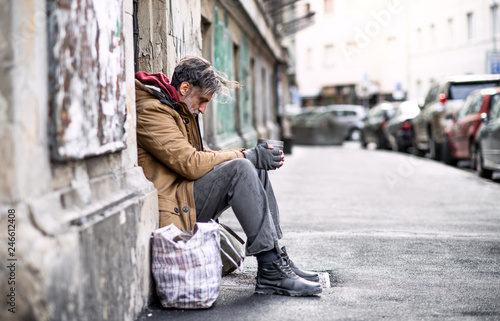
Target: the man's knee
pixel 242 166
pixel 242 163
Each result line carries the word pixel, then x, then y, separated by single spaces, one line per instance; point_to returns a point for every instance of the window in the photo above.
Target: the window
pixel 463 89
pixel 309 58
pixel 328 7
pixel 494 19
pixel 329 55
pixel 433 36
pixel 432 95
pixel 392 48
pixel 419 38
pixel 495 109
pixel 476 105
pixel 466 106
pixel 343 113
pixel 451 33
pixel 351 46
pixel 418 85
pixel 462 111
pixel 470 26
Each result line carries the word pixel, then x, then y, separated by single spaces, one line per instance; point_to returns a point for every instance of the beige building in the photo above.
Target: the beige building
pixel 451 37
pixel 392 49
pixel 354 52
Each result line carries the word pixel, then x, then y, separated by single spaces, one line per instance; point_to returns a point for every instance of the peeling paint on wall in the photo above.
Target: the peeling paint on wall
pixel 184 25
pixel 87 78
pixel 246 99
pixel 223 61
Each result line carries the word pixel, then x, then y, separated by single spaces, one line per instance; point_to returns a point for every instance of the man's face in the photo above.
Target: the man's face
pixel 196 100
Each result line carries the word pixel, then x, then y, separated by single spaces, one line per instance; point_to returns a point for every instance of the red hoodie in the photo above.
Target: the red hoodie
pixel 159 80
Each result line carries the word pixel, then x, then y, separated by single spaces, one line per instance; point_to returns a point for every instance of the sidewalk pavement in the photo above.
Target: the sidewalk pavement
pixel 399 237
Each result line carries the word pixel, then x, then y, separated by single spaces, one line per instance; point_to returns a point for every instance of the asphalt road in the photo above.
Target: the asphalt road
pixel 400 237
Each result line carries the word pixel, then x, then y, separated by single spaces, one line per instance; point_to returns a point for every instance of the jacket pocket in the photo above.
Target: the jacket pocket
pixel 170 213
pixel 168 205
pixel 167 218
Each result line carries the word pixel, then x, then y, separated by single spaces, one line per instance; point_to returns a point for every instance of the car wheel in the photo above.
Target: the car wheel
pixel 400 148
pixel 446 153
pixel 355 134
pixel 434 149
pixel 381 142
pixel 415 151
pixel 472 155
pixel 362 140
pixel 481 171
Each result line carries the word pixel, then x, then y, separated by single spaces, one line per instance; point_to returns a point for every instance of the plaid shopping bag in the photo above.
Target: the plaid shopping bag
pixel 187 266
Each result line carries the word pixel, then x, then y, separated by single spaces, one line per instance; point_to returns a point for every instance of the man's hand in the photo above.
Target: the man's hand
pixel 264 157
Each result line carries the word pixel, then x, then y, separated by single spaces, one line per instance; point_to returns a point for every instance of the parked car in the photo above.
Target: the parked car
pixel 460 134
pixel 444 98
pixel 487 148
pixel 297 118
pixel 351 116
pixel 318 128
pixel 328 125
pixel 375 123
pixel 399 130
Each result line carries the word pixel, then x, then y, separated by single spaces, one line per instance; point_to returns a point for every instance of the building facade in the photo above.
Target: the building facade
pixel 452 37
pixel 353 53
pixel 76 212
pixel 368 51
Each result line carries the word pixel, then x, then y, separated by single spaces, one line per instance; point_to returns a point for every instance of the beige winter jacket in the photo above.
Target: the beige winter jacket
pixel 169 151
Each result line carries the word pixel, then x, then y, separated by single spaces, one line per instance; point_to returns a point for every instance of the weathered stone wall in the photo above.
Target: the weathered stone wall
pixel 23 93
pixel 168 31
pixel 76 230
pixel 77 220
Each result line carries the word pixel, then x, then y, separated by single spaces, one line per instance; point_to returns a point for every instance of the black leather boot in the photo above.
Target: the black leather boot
pixel 310 276
pixel 278 278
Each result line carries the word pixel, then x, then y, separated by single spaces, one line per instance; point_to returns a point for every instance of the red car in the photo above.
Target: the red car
pixel 460 135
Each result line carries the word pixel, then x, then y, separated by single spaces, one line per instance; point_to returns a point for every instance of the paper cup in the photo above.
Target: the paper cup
pixel 276 143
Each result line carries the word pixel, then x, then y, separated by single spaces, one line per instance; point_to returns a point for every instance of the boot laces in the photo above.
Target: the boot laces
pixel 287 259
pixel 284 266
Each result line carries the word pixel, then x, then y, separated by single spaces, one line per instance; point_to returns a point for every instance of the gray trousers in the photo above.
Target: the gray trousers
pixel 238 184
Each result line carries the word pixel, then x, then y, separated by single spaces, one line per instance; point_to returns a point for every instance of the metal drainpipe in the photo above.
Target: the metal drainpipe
pixel 136 36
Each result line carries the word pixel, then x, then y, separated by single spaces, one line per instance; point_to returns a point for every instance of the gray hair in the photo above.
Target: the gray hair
pixel 198 72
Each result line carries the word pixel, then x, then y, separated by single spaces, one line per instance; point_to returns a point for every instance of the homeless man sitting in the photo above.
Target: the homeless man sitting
pixel 195 183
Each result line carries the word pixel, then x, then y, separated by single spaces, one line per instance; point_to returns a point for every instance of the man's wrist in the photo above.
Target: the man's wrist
pixel 250 154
